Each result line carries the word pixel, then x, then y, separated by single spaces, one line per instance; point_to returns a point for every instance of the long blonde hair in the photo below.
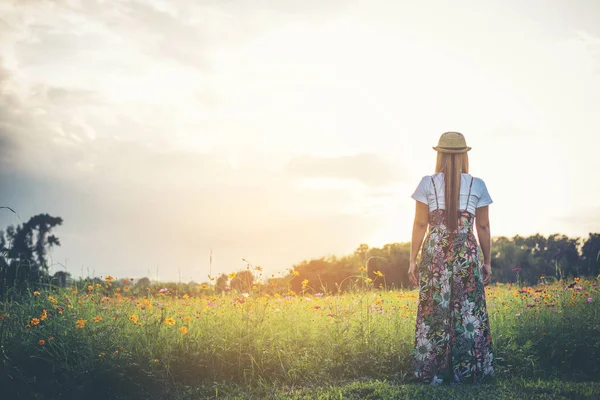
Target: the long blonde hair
pixel 452 165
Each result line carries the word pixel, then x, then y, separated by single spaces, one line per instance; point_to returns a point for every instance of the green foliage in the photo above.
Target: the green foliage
pixel 101 341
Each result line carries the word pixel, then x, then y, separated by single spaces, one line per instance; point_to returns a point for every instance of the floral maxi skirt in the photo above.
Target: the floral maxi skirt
pixel 452 340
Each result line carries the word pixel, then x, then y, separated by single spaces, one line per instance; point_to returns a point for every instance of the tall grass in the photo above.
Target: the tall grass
pixel 94 341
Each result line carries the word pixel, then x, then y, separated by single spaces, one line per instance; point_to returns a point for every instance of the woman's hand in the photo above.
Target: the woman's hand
pixel 413 273
pixel 487 273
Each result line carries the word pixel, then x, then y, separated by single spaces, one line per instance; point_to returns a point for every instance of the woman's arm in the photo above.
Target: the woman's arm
pixel 418 233
pixel 482 223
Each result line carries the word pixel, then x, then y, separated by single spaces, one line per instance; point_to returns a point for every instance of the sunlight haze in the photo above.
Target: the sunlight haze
pixel 282 130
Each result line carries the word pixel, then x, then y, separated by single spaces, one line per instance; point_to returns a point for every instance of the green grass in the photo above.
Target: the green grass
pixel 100 343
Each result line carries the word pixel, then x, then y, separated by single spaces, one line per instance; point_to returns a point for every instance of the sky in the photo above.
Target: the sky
pixel 278 131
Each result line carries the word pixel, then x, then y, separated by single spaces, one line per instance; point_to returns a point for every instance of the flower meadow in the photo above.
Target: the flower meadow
pixel 99 340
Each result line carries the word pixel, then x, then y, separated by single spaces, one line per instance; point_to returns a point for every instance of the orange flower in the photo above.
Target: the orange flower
pixel 109 278
pixel 203 286
pixel 41 342
pixel 90 288
pixel 169 321
pixel 44 314
pixel 97 318
pixel 134 318
pixel 36 293
pixel 80 324
pixel 51 338
pixel 183 330
pixel 187 319
pixel 35 321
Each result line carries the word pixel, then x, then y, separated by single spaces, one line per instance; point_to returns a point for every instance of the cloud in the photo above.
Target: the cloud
pixel 368 169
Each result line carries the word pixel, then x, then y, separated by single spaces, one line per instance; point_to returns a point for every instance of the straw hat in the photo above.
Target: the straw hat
pixel 452 142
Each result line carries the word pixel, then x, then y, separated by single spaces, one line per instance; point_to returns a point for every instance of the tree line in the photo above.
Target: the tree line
pixel 23 263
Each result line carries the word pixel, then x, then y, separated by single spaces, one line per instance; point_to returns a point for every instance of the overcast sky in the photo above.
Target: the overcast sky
pixel 283 130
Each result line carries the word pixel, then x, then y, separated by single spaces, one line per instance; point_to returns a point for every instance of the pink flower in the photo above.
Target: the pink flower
pixel 589 299
pixel 518 315
pixel 163 290
pixel 517 269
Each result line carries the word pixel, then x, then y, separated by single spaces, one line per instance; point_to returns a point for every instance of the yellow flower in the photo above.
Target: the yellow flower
pixel 187 319
pixel 368 280
pixel 295 273
pixel 53 300
pixel 362 269
pixel 34 321
pixel 304 283
pixel 80 324
pixel 97 318
pixel 169 321
pixel 203 286
pixel 183 330
pixel 44 314
pixel 36 293
pixel 232 275
pixel 185 296
pixel 134 318
pixel 156 361
pixel 258 268
pixel 378 273
pixel 109 278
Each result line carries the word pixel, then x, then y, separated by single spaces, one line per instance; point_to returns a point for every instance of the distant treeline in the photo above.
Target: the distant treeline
pixel 23 264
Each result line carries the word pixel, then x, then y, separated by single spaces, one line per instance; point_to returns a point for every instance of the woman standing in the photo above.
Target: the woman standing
pixel 453 340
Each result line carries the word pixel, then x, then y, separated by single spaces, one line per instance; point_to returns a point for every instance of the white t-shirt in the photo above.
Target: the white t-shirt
pixel 425 193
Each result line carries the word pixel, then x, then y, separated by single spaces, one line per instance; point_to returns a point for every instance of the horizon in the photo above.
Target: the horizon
pixel 282 131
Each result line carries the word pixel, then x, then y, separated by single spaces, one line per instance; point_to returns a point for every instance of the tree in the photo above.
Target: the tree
pixel 23 250
pixel 590 254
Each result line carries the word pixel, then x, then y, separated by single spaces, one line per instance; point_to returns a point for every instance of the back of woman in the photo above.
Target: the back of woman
pixel 452 340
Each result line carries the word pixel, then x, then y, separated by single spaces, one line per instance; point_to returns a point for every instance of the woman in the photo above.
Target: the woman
pixel 453 340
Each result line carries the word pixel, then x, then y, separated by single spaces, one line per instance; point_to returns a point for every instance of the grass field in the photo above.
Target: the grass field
pixel 108 342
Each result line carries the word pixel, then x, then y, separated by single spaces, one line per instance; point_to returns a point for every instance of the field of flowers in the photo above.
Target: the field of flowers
pixel 97 340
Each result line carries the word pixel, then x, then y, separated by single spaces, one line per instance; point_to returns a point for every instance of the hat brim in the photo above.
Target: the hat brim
pixel 450 150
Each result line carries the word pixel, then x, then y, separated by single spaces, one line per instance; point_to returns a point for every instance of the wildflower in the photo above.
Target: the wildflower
pixel 36 293
pixel 34 321
pixel 187 319
pixel 27 326
pixel 258 268
pixel 133 318
pixel 362 269
pixel 368 280
pixel 41 342
pixel 101 354
pixel 156 361
pixel 126 288
pixel 378 273
pixel 317 307
pixel 51 338
pixel 44 314
pixel 245 295
pixel 304 283
pixel 183 330
pixel 589 299
pixel 319 294
pixel 232 275
pixel 518 315
pixel 90 288
pixel 53 300
pixel 203 287
pixel 97 318
pixel 163 290
pixel 331 315
pixel 169 321
pixel 80 324
pixel 517 269
pixel 109 278
pixel 295 273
